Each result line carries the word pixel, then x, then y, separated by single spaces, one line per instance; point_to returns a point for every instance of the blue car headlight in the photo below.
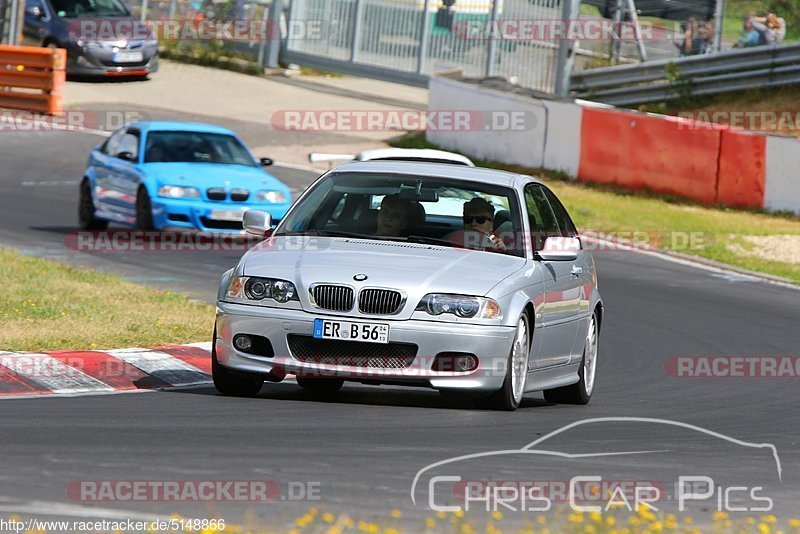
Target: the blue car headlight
pixel 465 306
pixel 178 191
pixel 273 197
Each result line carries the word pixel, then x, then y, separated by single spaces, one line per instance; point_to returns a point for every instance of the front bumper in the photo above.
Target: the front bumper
pixel 99 61
pixel 184 214
pixel 491 344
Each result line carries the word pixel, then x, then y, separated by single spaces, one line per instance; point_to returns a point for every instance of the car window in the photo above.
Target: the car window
pixel 30 4
pixel 542 219
pixel 429 209
pixel 128 143
pixel 565 224
pixel 89 8
pixel 196 147
pixel 110 146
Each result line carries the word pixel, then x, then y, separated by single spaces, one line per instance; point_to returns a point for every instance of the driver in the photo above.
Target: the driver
pixel 479 217
pixel 393 216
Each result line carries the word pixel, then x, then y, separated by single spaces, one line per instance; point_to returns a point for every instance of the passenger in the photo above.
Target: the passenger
pixel 750 36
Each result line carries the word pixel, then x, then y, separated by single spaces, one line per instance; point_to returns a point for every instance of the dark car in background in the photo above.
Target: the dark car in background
pixel 101 36
pixel 678 10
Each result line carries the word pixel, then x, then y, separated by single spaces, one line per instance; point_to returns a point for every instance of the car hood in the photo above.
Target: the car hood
pixel 415 269
pixel 204 175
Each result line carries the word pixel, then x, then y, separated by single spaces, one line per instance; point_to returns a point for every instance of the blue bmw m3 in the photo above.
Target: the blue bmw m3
pixel 177 175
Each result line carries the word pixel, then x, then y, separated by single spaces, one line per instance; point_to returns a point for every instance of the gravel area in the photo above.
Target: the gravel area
pixel 782 247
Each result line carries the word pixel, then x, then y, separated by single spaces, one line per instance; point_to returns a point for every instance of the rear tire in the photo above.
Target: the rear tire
pixel 144 210
pixel 580 392
pixel 325 386
pixel 86 211
pixel 509 397
pixel 233 384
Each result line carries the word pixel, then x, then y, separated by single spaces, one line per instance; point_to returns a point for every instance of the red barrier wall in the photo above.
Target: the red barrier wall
pixel 663 154
pixel 742 169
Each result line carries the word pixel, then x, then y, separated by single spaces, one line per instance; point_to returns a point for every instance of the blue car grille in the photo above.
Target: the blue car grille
pixel 218 193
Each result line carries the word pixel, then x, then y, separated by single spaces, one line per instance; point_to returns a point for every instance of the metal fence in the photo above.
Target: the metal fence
pixel 407 40
pixel 656 81
pixel 222 10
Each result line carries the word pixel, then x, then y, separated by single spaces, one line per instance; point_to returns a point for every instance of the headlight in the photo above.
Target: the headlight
pixel 177 191
pixel 257 288
pixel 273 197
pixel 460 306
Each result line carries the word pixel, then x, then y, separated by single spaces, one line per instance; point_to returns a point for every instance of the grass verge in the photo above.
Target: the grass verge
pixel 714 233
pixel 46 305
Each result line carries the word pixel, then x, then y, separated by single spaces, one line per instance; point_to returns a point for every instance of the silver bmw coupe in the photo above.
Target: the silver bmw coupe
pixel 471 281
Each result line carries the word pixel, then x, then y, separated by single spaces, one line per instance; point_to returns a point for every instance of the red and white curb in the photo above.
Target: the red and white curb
pixel 69 372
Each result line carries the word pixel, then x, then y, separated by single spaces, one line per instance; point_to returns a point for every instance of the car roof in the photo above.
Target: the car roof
pixel 179 126
pixel 435 170
pixel 411 154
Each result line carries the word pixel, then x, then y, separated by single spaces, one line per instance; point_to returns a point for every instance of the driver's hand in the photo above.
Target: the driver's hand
pixel 497 242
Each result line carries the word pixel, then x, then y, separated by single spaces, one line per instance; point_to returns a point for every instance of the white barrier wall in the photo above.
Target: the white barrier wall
pixel 513 130
pixel 562 149
pixel 782 184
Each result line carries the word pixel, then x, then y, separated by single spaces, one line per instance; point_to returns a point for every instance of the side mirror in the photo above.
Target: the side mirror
pixel 257 222
pixel 127 156
pixel 560 249
pixel 266 162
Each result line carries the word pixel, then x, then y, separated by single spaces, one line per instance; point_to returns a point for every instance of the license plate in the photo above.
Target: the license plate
pixel 127 57
pixel 227 215
pixel 349 331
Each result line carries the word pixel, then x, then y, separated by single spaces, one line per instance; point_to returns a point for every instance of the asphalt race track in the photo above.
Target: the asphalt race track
pixel 365 446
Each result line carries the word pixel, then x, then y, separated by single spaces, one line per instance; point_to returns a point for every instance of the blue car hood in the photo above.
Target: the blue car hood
pixel 205 175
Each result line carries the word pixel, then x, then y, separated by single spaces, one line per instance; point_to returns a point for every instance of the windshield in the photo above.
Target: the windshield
pixel 89 8
pixel 445 212
pixel 196 147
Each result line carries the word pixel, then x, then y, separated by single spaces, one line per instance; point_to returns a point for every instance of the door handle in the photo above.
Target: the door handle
pixel 576 271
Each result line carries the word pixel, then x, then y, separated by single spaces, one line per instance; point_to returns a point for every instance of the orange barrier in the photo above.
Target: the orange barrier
pixel 742 169
pixel 639 151
pixel 31 78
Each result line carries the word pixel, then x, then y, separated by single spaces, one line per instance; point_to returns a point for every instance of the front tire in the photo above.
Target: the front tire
pixel 231 383
pixel 86 211
pixel 509 397
pixel 144 210
pixel 580 392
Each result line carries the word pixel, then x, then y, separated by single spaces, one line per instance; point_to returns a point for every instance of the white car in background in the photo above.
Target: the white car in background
pixel 424 155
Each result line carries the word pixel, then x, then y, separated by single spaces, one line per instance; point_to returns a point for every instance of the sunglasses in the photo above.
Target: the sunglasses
pixel 480 219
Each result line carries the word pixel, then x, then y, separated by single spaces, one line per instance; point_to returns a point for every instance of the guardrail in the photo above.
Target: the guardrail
pixel 656 81
pixel 27 68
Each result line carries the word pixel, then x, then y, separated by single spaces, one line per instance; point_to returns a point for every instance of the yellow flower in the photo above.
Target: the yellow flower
pixel 597 517
pixel 312 511
pixel 719 516
pixel 497 515
pixel 328 517
pixel 541 520
pixel 430 522
pixel 611 521
pixel 334 530
pixel 794 523
pixel 441 515
pixel 363 526
pixel 688 520
pixel 373 528
pixel 769 518
pixel 459 513
pixel 764 528
pixel 466 529
pixel 391 531
pixel 397 514
pixel 575 518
